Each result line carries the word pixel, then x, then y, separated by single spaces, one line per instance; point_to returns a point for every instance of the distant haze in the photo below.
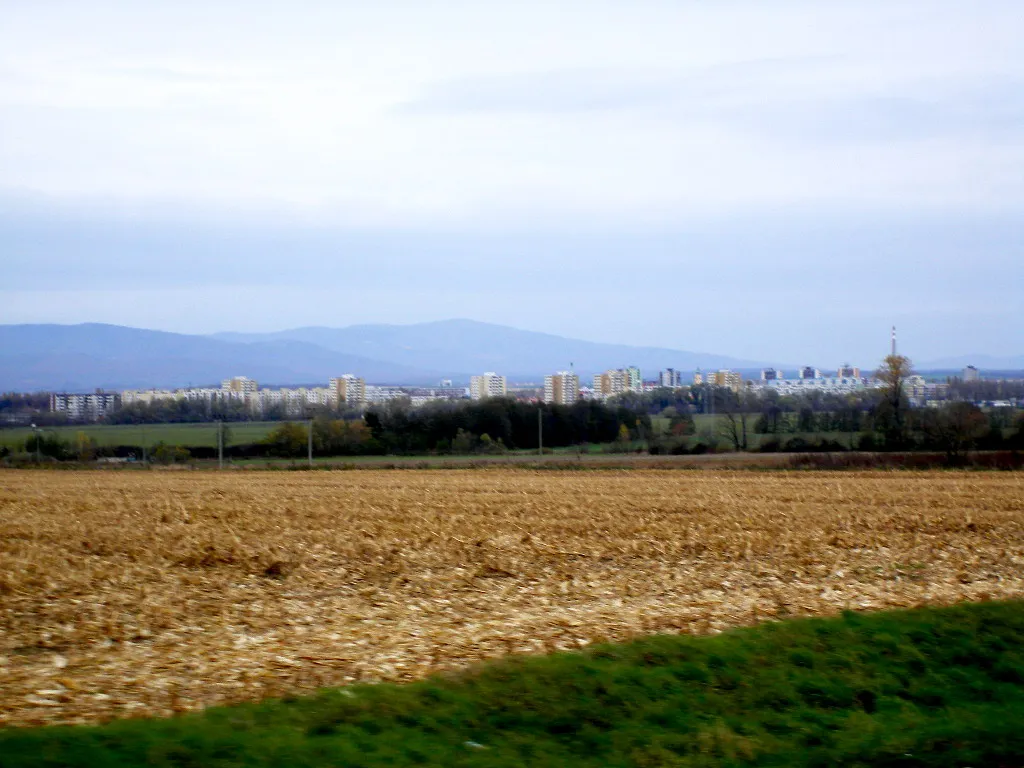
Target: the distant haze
pixel 776 182
pixel 83 357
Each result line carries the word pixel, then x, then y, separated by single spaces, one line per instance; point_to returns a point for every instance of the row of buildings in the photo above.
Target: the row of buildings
pixel 561 388
pixel 845 371
pixel 83 407
pixel 342 390
pixel 348 390
pixel 847 380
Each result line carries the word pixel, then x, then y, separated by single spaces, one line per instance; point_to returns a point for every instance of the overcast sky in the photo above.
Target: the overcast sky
pixel 772 180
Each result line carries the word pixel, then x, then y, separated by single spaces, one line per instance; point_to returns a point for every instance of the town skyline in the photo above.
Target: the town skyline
pixel 84 357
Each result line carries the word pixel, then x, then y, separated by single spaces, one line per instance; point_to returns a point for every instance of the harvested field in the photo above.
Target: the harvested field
pixel 139 593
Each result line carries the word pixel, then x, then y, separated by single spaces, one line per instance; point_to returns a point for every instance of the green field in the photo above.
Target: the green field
pixel 926 687
pixel 239 433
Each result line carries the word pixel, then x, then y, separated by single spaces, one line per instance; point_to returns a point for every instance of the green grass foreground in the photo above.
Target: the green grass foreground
pixel 936 687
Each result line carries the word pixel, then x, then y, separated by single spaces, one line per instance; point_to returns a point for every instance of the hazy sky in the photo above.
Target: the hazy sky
pixel 773 180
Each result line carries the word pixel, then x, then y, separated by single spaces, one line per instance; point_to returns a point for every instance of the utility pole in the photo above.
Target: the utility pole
pixel 220 445
pixel 37 431
pixel 540 431
pixel 309 431
pixel 144 457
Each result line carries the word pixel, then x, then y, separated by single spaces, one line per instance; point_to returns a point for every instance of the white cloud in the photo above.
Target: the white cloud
pixel 458 113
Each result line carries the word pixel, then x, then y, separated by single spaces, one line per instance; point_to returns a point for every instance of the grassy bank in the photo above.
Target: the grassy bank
pixel 937 687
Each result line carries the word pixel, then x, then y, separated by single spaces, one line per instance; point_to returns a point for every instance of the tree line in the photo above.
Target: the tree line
pixel 498 424
pixel 871 419
pixel 490 426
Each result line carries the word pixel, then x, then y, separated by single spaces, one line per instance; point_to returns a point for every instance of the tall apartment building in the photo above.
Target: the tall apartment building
pixel 85 407
pixel 488 385
pixel 971 373
pixel 724 378
pixel 810 372
pixel 634 381
pixel 670 377
pixel 242 384
pixel 770 374
pixel 609 383
pixel 348 389
pixel 617 381
pixel 847 371
pixel 562 388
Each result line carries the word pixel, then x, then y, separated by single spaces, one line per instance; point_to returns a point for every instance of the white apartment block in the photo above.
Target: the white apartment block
pixel 209 394
pixel 416 395
pixel 294 401
pixel 562 388
pixel 634 381
pixel 266 399
pixel 83 407
pixel 297 400
pixel 488 385
pixel 670 377
pixel 833 384
pixel 381 394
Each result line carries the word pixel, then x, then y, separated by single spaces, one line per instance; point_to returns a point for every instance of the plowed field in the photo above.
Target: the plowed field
pixel 129 593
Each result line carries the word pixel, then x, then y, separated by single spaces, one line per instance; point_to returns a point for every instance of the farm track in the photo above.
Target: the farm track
pixel 148 593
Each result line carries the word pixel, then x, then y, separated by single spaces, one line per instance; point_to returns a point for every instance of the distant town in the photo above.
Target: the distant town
pixel 561 388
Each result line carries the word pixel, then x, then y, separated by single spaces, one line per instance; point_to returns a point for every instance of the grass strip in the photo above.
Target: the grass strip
pixel 930 686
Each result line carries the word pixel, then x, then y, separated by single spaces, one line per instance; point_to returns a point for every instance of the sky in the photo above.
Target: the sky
pixel 779 180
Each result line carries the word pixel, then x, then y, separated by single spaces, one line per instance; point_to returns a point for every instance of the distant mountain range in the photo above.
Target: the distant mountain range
pixel 83 357
pixel 464 347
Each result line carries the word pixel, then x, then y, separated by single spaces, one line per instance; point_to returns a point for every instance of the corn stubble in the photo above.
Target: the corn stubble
pixel 149 593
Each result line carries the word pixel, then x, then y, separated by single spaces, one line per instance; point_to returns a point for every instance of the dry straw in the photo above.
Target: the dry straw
pixel 131 593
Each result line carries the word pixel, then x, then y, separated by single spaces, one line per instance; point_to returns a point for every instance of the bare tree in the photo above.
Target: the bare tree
pixel 893 374
pixel 735 411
